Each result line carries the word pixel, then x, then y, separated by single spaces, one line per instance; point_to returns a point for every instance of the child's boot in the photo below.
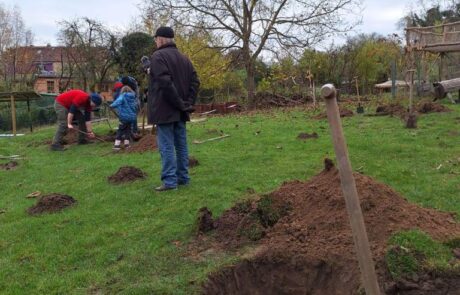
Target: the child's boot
pixel 116 146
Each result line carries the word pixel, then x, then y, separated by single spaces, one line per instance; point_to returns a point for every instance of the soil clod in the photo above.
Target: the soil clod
pixel 11 165
pixel 305 136
pixel 126 174
pixel 328 164
pixel 205 221
pixel 192 162
pixel 51 203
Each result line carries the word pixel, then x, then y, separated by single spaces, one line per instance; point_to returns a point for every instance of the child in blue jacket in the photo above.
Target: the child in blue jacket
pixel 127 107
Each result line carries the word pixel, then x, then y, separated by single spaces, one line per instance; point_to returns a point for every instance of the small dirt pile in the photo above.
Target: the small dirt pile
pixel 269 100
pixel 393 109
pixel 51 203
pixel 431 107
pixel 126 174
pixel 147 143
pixel 9 166
pixel 343 113
pixel 305 136
pixel 304 239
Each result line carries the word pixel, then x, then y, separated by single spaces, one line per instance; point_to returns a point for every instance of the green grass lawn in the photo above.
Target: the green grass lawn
pixel 121 239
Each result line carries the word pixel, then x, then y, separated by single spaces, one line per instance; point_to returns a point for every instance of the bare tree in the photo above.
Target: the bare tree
pixel 255 26
pixel 90 46
pixel 13 35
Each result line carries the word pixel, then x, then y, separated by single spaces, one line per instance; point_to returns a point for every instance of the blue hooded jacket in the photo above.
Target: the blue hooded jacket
pixel 127 106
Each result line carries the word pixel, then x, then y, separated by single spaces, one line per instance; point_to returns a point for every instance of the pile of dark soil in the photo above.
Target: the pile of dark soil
pixel 9 166
pixel 145 144
pixel 71 138
pixel 343 113
pixel 269 100
pixel 431 107
pixel 305 136
pixel 304 240
pixel 192 162
pixel 51 203
pixel 393 109
pixel 126 174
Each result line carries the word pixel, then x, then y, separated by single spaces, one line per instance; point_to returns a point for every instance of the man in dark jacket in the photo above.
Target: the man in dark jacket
pixel 172 93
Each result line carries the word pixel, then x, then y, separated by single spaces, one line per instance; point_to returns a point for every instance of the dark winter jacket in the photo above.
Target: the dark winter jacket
pixel 173 86
pixel 127 106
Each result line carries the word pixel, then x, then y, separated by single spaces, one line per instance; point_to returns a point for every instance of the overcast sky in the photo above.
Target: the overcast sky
pixel 42 15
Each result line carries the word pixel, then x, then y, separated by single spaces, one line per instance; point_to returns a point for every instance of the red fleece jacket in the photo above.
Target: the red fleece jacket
pixel 79 99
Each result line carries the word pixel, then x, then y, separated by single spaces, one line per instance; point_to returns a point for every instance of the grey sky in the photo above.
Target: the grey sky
pixel 42 15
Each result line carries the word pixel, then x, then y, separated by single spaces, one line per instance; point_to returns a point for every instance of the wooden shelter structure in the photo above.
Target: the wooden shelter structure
pixel 440 40
pixel 15 96
pixel 435 39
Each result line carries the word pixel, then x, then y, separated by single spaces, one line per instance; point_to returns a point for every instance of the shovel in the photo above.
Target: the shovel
pixel 86 133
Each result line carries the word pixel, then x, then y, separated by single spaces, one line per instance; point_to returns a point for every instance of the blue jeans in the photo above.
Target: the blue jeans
pixel 172 143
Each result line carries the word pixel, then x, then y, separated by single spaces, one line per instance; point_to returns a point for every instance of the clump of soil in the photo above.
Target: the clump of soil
pixel 305 136
pixel 9 166
pixel 51 203
pixel 393 109
pixel 126 174
pixel 204 220
pixel 342 111
pixel 192 162
pixel 431 107
pixel 328 164
pixel 308 248
pixel 146 144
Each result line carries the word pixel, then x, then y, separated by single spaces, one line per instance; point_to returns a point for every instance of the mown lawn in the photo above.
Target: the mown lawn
pixel 122 239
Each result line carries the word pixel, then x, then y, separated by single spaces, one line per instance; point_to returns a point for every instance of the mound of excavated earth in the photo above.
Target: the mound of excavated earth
pixel 304 243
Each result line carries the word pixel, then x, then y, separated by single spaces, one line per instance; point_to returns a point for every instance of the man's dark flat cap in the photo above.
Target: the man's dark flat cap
pixel 165 32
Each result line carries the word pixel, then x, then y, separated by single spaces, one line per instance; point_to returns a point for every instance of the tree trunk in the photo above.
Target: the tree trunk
pixel 251 83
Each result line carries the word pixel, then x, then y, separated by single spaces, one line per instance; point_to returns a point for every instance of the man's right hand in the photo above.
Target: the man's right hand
pixel 70 126
pixel 188 108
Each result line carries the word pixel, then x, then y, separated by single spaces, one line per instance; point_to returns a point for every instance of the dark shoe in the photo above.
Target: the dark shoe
pixel 183 183
pixel 57 148
pixel 163 188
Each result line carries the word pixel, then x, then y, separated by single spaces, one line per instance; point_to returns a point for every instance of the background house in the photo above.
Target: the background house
pixel 49 69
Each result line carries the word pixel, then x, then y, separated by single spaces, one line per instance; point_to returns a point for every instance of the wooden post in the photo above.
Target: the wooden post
pixel 393 79
pixel 411 90
pixel 13 114
pixel 30 116
pixel 350 193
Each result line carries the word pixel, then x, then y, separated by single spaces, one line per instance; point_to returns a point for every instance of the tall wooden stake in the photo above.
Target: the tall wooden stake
pixel 350 193
pixel 13 114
